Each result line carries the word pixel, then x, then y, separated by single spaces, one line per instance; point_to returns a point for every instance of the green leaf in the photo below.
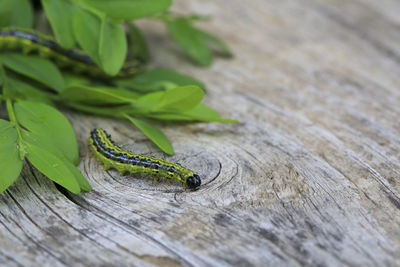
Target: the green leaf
pixel 36 68
pixel 53 167
pixel 16 13
pixel 60 14
pixel 83 183
pixel 101 110
pixel 49 123
pixel 105 42
pixel 190 40
pixel 137 43
pixel 43 142
pixel 199 113
pixel 73 79
pixel 158 79
pixel 23 90
pixel 216 42
pixel 112 47
pixel 87 32
pixel 180 99
pixel 10 162
pixel 154 134
pixel 146 103
pixel 205 113
pixel 129 9
pixel 98 96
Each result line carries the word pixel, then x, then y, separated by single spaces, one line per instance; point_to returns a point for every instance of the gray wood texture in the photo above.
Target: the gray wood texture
pixel 310 175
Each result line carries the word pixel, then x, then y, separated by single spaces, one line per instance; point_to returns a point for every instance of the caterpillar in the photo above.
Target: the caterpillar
pixel 28 41
pixel 123 161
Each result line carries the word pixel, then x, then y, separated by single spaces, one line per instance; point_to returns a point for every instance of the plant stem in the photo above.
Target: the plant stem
pixel 14 122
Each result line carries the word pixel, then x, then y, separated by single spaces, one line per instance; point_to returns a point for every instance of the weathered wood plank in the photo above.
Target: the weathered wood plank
pixel 311 175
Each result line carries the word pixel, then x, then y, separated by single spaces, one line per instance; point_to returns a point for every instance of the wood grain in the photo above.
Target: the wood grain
pixel 310 175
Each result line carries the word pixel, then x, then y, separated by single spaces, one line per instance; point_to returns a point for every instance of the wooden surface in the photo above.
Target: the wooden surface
pixel 311 175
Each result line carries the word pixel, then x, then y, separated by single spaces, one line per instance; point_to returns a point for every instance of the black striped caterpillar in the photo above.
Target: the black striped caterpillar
pixel 32 42
pixel 124 161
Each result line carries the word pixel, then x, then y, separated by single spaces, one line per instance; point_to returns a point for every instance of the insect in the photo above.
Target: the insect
pixel 114 157
pixel 32 42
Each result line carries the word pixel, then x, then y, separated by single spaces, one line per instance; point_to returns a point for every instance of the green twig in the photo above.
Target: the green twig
pixel 11 114
pixel 14 122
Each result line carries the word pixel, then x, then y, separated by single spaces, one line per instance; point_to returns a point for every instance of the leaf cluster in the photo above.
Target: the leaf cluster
pixel 33 86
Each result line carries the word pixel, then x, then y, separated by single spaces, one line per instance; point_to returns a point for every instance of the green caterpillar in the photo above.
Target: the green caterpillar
pixel 124 161
pixel 32 42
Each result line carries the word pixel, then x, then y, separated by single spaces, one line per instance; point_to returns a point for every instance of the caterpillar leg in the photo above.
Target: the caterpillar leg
pixel 169 182
pixel 107 167
pixel 155 180
pixel 27 49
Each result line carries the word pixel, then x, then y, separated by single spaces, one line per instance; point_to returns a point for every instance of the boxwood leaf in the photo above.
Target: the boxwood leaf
pixel 147 102
pixel 199 113
pixel 213 40
pixel 129 9
pixel 154 134
pixel 52 166
pixel 190 40
pixel 87 28
pixel 43 142
pixel 158 79
pixel 60 14
pixel 105 42
pixel 180 99
pixel 83 183
pixel 16 13
pixel 112 47
pixel 74 79
pixel 98 95
pixel 23 90
pixel 49 123
pixel 10 162
pixel 102 110
pixel 39 69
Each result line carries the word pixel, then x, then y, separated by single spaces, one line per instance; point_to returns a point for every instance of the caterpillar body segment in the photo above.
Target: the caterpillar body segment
pixel 32 42
pixel 123 161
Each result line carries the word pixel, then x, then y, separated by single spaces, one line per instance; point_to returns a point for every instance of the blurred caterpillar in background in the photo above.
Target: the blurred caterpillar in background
pixel 28 41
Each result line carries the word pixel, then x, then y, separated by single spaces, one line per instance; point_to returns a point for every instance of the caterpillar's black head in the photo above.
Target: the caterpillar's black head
pixel 193 181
